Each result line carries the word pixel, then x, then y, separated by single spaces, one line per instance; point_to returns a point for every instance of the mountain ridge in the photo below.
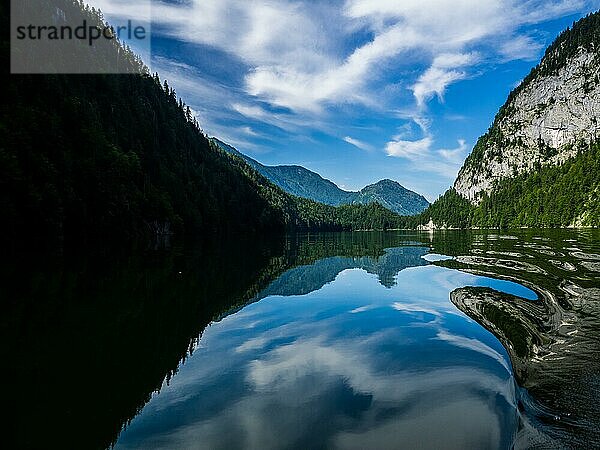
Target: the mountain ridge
pixel 538 165
pixel 547 119
pixel 116 158
pixel 305 183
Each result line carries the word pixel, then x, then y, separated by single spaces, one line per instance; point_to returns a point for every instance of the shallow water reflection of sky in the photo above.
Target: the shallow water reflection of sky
pixel 353 364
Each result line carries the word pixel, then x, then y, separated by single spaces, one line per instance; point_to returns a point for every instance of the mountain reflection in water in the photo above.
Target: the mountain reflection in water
pixel 364 340
pixel 351 365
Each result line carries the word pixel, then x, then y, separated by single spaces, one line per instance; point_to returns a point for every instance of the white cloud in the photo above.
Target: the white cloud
pixel 285 121
pixel 409 149
pixel 440 75
pixel 435 81
pixel 447 162
pixel 521 47
pixel 424 157
pixel 249 131
pixel 455 154
pixel 298 62
pixel 359 144
pixel 298 53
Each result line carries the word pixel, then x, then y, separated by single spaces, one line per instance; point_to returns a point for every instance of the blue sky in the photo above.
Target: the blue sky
pixel 356 90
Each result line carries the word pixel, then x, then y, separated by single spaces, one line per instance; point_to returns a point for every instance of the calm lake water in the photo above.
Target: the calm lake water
pixel 339 340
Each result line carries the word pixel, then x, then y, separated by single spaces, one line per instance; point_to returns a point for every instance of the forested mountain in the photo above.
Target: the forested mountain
pixel 297 180
pixel 304 183
pixel 539 163
pixel 393 196
pixel 121 156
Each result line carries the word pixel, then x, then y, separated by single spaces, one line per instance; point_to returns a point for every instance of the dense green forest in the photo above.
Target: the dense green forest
pixel 551 196
pixel 548 196
pixel 121 156
pixel 112 157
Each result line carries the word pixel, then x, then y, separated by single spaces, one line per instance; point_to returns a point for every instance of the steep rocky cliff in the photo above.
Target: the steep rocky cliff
pixel 550 117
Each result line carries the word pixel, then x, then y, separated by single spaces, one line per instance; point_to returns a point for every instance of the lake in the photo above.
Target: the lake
pixel 333 340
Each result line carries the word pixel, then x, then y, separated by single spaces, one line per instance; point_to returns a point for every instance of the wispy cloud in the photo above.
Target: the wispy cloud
pixel 299 67
pixel 422 155
pixel 445 70
pixel 521 47
pixel 359 144
pixel 300 56
pixel 409 149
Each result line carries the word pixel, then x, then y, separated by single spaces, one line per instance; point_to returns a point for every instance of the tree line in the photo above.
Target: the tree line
pixel 121 156
pixel 548 197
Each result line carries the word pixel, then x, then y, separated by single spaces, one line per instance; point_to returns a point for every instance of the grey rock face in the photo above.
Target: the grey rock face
pixel 545 123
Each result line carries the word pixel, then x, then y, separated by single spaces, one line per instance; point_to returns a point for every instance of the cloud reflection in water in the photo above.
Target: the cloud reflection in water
pixel 352 364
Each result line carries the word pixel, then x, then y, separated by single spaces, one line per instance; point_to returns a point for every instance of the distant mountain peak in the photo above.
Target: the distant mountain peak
pixel 302 182
pixel 394 196
pixel 386 182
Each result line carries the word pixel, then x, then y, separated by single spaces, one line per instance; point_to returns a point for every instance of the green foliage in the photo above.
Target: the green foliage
pixel 106 56
pixel 120 156
pixel 552 196
pixel 584 35
pixel 114 155
pixel 450 210
pixel 372 216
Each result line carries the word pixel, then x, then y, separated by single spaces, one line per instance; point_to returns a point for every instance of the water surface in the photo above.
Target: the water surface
pixel 352 364
pixel 364 340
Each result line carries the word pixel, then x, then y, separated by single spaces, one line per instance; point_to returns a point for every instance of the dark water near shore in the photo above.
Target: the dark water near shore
pixel 365 340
